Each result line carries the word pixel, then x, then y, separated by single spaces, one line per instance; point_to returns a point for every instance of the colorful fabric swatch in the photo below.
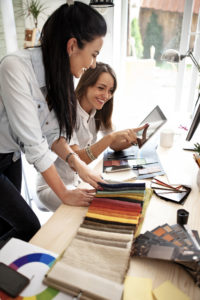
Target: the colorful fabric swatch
pixel 102 246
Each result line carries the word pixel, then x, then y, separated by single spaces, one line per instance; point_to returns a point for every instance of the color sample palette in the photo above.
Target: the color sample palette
pixel 48 293
pixel 174 243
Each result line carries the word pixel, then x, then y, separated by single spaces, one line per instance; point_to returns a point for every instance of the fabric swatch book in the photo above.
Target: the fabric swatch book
pixel 95 263
pixel 33 262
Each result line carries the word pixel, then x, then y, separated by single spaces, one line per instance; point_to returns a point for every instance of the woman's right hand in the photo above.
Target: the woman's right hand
pixel 125 138
pixel 79 197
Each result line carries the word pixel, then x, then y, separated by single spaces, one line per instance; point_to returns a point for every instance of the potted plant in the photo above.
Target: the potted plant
pixel 31 8
pixel 197 148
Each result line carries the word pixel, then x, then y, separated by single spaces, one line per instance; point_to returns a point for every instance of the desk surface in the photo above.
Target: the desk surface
pixel 179 165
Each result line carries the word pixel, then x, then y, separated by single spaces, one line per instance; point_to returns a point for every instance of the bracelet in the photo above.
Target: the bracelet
pixel 89 153
pixel 68 156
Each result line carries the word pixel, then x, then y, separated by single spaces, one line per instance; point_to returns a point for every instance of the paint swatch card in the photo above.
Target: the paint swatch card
pixel 174 243
pixel 116 165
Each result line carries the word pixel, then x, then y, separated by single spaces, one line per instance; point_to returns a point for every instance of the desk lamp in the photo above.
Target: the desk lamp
pixel 172 55
pixel 101 3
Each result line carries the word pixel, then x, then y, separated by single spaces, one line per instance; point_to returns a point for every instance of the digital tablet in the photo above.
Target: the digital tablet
pixel 155 119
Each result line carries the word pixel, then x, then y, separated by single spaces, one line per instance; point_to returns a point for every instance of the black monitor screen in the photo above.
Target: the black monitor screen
pixel 195 122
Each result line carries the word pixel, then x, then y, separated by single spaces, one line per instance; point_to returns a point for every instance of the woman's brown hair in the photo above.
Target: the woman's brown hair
pixel 103 117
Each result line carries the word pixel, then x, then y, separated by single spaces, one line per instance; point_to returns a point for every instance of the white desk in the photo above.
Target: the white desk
pixel 57 233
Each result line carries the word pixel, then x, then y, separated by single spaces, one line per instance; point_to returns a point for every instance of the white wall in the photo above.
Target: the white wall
pixel 106 54
pixel 8 23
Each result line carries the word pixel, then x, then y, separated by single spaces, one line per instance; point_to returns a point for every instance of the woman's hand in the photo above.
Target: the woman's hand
pixel 62 149
pixel 141 141
pixel 125 138
pixel 78 197
pixel 85 173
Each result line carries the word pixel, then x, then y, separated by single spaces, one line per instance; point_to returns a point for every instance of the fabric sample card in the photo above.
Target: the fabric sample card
pixel 167 291
pixel 137 288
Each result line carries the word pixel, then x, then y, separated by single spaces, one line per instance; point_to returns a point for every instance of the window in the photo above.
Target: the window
pixel 152 27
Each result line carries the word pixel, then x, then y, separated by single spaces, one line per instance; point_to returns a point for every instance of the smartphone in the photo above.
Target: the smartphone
pixel 11 281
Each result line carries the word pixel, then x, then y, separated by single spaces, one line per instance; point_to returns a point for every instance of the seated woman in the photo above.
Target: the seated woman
pixel 95 94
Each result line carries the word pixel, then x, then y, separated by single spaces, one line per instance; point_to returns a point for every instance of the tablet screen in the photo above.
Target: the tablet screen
pixel 155 119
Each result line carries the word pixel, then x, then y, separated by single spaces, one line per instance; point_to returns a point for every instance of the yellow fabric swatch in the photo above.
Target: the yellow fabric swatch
pixel 134 197
pixel 147 197
pixel 167 291
pixel 112 219
pixel 137 288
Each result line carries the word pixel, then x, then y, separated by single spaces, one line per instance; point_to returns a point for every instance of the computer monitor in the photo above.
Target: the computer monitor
pixel 195 121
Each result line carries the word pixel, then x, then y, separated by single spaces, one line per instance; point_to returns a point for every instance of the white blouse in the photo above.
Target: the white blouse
pixel 26 123
pixel 85 135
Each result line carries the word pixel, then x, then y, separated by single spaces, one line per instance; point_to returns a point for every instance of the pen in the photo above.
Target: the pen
pixel 137 167
pixel 165 184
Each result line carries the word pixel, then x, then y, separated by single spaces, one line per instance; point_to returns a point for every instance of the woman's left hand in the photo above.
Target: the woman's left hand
pixel 85 173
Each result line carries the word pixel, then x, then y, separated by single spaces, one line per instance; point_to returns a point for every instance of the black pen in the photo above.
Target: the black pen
pixel 137 167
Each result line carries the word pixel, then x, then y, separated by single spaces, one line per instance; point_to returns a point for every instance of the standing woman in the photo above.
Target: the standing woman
pixel 38 112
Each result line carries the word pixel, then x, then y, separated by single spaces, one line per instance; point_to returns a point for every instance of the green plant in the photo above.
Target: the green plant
pixel 197 148
pixel 31 8
pixel 135 32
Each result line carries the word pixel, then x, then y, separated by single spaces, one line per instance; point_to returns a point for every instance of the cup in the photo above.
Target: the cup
pixel 166 138
pixel 182 216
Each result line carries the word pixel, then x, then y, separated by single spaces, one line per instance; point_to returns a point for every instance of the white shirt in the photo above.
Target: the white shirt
pixel 25 120
pixel 86 132
pixel 85 135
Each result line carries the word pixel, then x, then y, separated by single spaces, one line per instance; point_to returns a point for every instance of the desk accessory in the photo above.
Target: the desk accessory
pixel 174 193
pixel 173 243
pixel 166 138
pixel 182 216
pixel 33 262
pixel 11 281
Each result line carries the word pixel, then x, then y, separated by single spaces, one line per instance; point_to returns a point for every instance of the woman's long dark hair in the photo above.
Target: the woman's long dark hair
pixel 85 24
pixel 103 117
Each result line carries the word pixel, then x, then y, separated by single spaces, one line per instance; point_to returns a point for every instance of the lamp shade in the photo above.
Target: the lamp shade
pixel 171 55
pixel 102 3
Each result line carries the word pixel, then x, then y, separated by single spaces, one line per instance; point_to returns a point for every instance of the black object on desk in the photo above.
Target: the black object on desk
pixel 182 216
